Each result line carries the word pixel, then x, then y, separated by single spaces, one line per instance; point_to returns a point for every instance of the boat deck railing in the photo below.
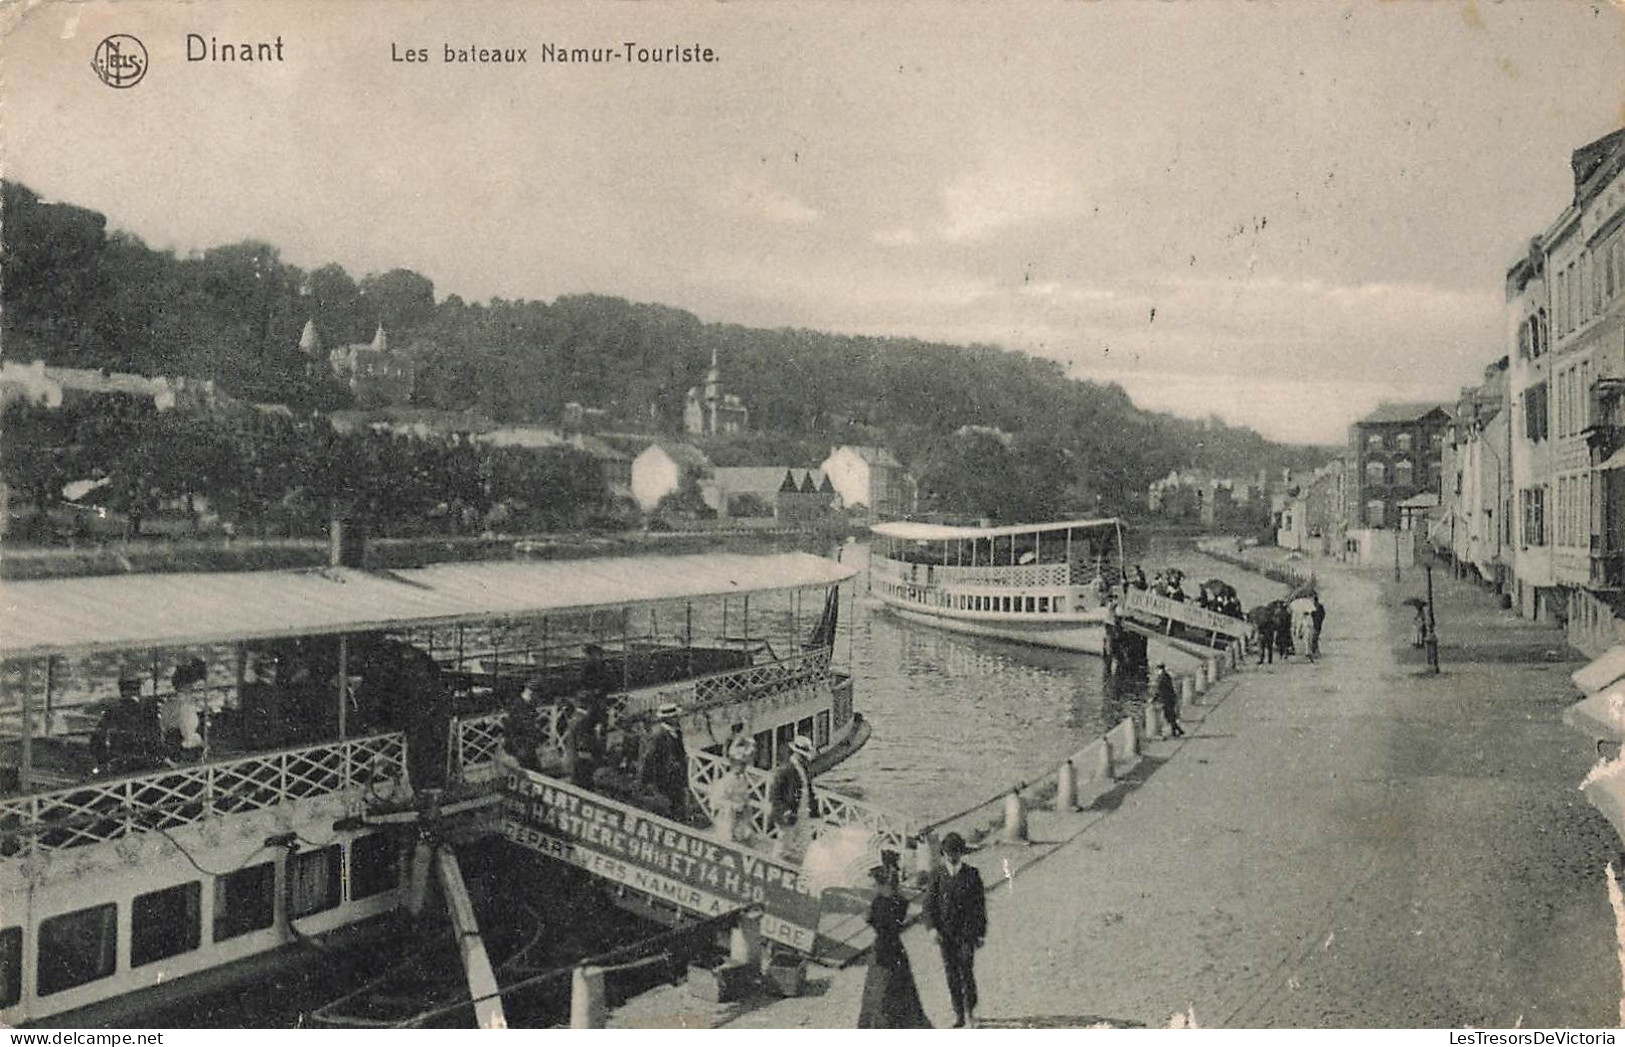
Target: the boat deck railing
pixel 113 809
pixel 1032 575
pixel 893 829
pixel 474 740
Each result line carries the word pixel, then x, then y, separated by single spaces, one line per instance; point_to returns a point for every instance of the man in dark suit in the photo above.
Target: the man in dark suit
pixel 793 805
pixel 663 767
pixel 956 912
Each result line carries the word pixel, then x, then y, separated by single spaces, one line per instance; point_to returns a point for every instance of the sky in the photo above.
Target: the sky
pixel 1277 214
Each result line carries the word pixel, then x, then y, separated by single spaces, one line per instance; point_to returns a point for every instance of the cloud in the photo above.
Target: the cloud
pixel 1009 191
pixel 758 199
pixel 901 237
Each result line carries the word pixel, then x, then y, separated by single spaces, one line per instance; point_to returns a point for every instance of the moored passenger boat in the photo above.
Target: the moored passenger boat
pixel 316 720
pixel 1045 584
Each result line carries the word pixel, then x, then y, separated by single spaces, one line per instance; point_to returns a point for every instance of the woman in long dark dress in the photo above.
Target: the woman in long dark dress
pixel 890 999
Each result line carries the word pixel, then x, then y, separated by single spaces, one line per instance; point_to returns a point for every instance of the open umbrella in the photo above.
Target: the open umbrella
pixel 1602 715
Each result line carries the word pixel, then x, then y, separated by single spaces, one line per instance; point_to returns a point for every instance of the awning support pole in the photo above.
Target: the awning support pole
pixel 341 684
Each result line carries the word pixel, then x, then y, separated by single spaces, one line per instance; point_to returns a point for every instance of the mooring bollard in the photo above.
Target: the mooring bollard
pixel 1015 818
pixel 745 944
pixel 1235 654
pixel 1066 788
pixel 1153 720
pixel 1133 738
pixel 1187 689
pixel 1103 762
pixel 1214 670
pixel 1198 681
pixel 587 998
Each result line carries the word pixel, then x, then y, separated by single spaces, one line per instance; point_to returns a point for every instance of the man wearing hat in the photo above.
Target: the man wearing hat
pixel 793 803
pixel 663 768
pixel 955 910
pixel 127 738
pixel 1168 700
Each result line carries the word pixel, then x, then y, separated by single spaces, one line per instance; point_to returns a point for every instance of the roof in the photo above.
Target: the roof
pixel 683 454
pixel 142 611
pixel 924 532
pixel 764 480
pixel 873 455
pixel 1388 414
pixel 1424 500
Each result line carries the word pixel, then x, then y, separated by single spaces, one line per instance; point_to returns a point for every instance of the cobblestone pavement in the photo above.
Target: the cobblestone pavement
pixel 1346 843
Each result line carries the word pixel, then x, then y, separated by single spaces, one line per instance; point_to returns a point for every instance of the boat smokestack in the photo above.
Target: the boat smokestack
pixel 346 541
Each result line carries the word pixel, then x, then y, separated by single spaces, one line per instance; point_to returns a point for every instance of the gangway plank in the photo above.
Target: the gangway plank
pixel 1158 617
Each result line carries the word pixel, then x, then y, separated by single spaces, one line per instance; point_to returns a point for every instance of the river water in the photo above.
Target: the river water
pixel 958 719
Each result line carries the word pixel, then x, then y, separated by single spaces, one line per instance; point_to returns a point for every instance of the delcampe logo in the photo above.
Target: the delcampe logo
pixel 120 60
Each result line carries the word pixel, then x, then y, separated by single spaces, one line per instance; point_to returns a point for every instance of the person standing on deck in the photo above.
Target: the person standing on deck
pixel 793 802
pixel 522 728
pixel 663 768
pixel 181 714
pixel 955 910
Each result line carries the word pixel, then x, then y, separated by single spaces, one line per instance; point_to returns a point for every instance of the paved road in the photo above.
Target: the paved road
pixel 1341 844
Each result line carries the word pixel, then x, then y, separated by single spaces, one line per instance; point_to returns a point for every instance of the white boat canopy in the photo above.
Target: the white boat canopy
pixel 63 616
pixel 925 532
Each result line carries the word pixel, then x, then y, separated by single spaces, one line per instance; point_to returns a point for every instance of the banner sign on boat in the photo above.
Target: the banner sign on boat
pixel 657 856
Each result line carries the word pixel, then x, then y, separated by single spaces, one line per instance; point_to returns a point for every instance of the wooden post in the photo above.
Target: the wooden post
pixel 25 772
pixel 50 680
pixel 342 684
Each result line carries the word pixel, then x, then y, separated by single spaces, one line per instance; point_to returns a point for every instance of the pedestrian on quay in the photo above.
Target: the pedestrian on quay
pixel 890 998
pixel 1167 699
pixel 1317 619
pixel 955 910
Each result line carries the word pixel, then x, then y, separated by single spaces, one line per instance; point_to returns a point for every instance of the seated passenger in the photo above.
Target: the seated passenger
pixel 127 740
pixel 181 714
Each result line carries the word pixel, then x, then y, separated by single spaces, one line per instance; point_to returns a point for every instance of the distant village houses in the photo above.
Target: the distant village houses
pixel 872 481
pixel 52 387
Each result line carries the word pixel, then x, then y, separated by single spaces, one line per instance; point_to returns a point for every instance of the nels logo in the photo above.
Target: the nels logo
pixel 120 61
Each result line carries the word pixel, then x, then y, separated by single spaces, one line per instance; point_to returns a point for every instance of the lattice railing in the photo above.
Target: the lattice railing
pixel 706 769
pixel 727 687
pixel 96 812
pixel 1023 575
pixel 474 743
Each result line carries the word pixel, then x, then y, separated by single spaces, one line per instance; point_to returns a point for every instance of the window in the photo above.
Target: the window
pixel 805 727
pixel 1534 516
pixel 821 729
pixel 1402 442
pixel 244 901
pixel 1032 604
pixel 314 881
pixel 764 751
pixel 1043 605
pixel 11 966
pixel 77 948
pixel 1373 442
pixel 374 866
pixel 1404 474
pixel 1376 475
pixel 1375 512
pixel 165 923
pixel 1534 411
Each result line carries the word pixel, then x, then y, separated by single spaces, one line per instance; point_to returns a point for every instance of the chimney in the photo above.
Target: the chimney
pixel 346 541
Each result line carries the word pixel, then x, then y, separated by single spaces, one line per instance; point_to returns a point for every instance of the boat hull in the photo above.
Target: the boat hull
pixel 1085 636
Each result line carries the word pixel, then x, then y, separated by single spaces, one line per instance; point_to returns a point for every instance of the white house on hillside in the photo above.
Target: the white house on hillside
pixel 871 477
pixel 660 468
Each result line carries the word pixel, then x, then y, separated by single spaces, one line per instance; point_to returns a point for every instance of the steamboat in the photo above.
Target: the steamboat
pixel 1045 584
pixel 204 776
